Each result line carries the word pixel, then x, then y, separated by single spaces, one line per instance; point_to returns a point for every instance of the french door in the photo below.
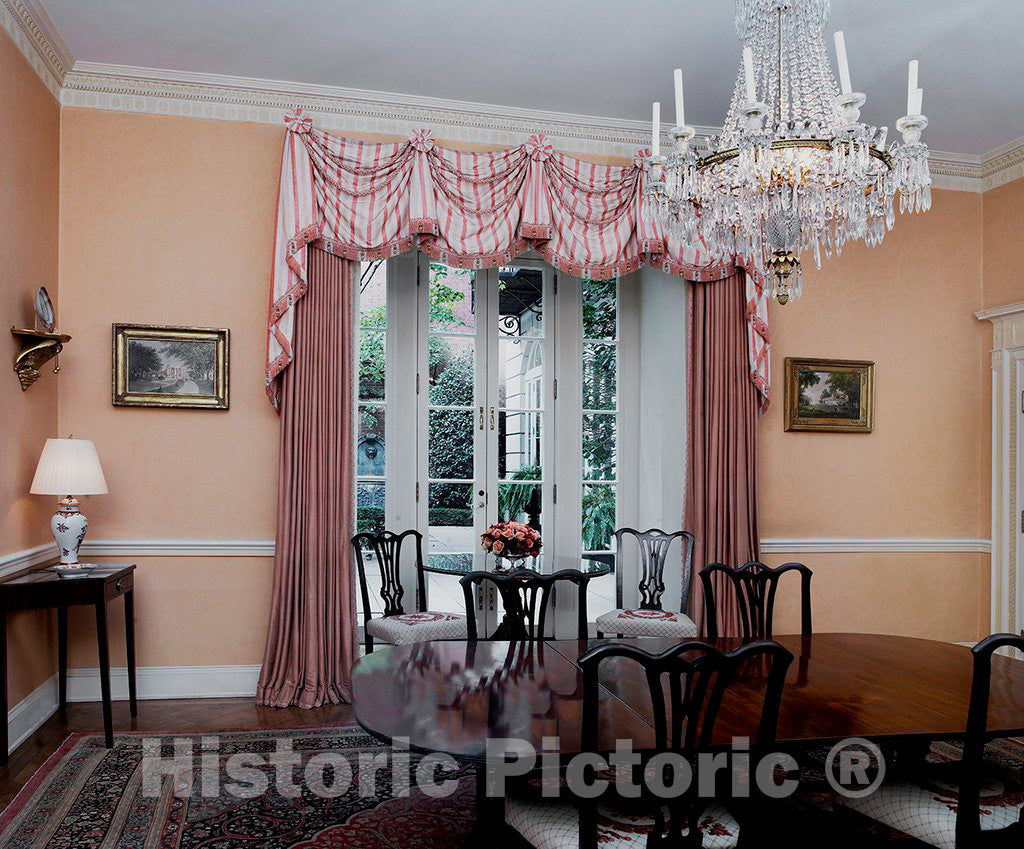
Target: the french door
pixel 486 397
pixel 491 395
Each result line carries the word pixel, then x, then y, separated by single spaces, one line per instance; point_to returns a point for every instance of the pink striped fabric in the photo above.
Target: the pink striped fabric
pixel 363 201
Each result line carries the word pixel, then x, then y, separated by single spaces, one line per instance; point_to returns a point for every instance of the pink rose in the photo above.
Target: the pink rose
pixel 499 546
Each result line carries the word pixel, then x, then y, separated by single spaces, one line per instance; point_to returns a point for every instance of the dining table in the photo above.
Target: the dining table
pixel 452 696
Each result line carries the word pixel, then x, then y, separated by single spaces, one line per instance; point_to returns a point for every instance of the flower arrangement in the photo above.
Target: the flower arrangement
pixel 511 539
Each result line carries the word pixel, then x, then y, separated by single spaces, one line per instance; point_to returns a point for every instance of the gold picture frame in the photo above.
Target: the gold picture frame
pixel 836 396
pixel 156 365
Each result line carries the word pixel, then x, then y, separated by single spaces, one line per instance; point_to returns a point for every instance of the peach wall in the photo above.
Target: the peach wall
pixel 1003 215
pixel 29 168
pixel 908 305
pixel 171 221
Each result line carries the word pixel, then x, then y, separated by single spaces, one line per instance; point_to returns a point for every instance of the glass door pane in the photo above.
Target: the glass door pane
pixel 599 427
pixel 520 317
pixel 371 457
pixel 452 428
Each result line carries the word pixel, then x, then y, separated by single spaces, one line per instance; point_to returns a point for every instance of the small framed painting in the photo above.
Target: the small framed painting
pixel 159 366
pixel 830 395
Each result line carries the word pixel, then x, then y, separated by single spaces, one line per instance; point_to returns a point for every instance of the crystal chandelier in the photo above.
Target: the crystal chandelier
pixel 795 169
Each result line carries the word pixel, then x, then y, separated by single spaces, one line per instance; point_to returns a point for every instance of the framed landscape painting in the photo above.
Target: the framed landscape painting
pixel 830 395
pixel 159 366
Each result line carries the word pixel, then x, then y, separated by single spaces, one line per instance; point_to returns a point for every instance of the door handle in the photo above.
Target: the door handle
pixel 481 418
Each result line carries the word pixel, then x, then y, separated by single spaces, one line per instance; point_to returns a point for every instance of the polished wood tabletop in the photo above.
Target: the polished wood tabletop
pixel 451 696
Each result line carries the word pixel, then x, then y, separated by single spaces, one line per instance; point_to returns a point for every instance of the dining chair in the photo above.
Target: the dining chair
pixel 965 804
pixel 395 625
pixel 525 597
pixel 755 586
pixel 649 618
pixel 697 676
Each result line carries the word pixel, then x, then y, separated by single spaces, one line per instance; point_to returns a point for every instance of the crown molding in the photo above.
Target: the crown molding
pixel 338 109
pixel 1003 165
pixel 998 313
pixel 36 36
pixel 156 91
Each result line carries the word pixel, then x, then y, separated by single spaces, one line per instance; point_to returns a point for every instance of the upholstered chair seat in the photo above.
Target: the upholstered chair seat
pixel 405 628
pixel 649 618
pixel 555 824
pixel 926 809
pixel 646 623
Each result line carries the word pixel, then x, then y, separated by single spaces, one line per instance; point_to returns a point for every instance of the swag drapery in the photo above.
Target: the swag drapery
pixel 366 201
pixel 342 200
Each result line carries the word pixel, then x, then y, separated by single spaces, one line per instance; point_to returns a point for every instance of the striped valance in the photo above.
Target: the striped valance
pixel 365 201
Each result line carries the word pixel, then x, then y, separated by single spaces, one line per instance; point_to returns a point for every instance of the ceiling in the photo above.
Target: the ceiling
pixel 603 58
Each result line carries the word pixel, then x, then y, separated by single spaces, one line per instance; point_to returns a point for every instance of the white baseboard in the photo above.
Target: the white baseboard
pixel 31 712
pixel 167 682
pixel 154 682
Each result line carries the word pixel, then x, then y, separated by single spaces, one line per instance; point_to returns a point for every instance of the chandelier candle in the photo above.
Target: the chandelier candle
pixel 844 67
pixel 748 71
pixel 912 88
pixel 656 130
pixel 680 110
pixel 795 172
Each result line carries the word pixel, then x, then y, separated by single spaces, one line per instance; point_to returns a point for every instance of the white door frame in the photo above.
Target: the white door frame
pixel 1007 464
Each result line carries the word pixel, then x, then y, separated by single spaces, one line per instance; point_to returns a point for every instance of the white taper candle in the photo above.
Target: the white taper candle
pixel 912 87
pixel 748 71
pixel 844 67
pixel 918 101
pixel 680 110
pixel 656 130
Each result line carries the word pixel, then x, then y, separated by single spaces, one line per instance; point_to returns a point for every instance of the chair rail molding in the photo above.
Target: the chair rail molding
pixel 1007 456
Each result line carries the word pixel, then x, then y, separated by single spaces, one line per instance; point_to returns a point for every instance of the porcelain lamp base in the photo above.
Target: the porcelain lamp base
pixel 69 526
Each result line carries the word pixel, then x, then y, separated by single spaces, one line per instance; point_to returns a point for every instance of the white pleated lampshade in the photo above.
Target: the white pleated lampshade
pixel 69 467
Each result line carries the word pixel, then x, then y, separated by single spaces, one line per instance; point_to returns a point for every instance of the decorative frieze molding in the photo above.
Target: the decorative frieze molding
pixel 345 110
pixel 39 41
pixel 153 91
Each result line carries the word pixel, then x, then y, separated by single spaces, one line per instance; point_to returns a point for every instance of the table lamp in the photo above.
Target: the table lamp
pixel 69 466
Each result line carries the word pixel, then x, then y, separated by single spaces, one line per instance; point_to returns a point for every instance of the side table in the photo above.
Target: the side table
pixel 43 588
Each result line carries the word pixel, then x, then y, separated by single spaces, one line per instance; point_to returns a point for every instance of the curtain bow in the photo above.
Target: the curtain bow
pixel 538 149
pixel 421 140
pixel 296 122
pixel 641 156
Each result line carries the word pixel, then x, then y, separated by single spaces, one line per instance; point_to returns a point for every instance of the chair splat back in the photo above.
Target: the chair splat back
pixel 525 597
pixel 387 549
pixel 654 545
pixel 698 677
pixel 968 818
pixel 756 586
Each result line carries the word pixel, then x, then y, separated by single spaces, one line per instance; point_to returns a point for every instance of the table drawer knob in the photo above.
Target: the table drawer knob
pixel 119 585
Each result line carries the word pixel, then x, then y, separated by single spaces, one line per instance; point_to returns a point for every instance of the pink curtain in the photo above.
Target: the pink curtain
pixel 365 201
pixel 311 644
pixel 721 497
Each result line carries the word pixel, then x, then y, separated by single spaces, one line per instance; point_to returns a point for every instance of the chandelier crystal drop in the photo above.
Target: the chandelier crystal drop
pixel 794 170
